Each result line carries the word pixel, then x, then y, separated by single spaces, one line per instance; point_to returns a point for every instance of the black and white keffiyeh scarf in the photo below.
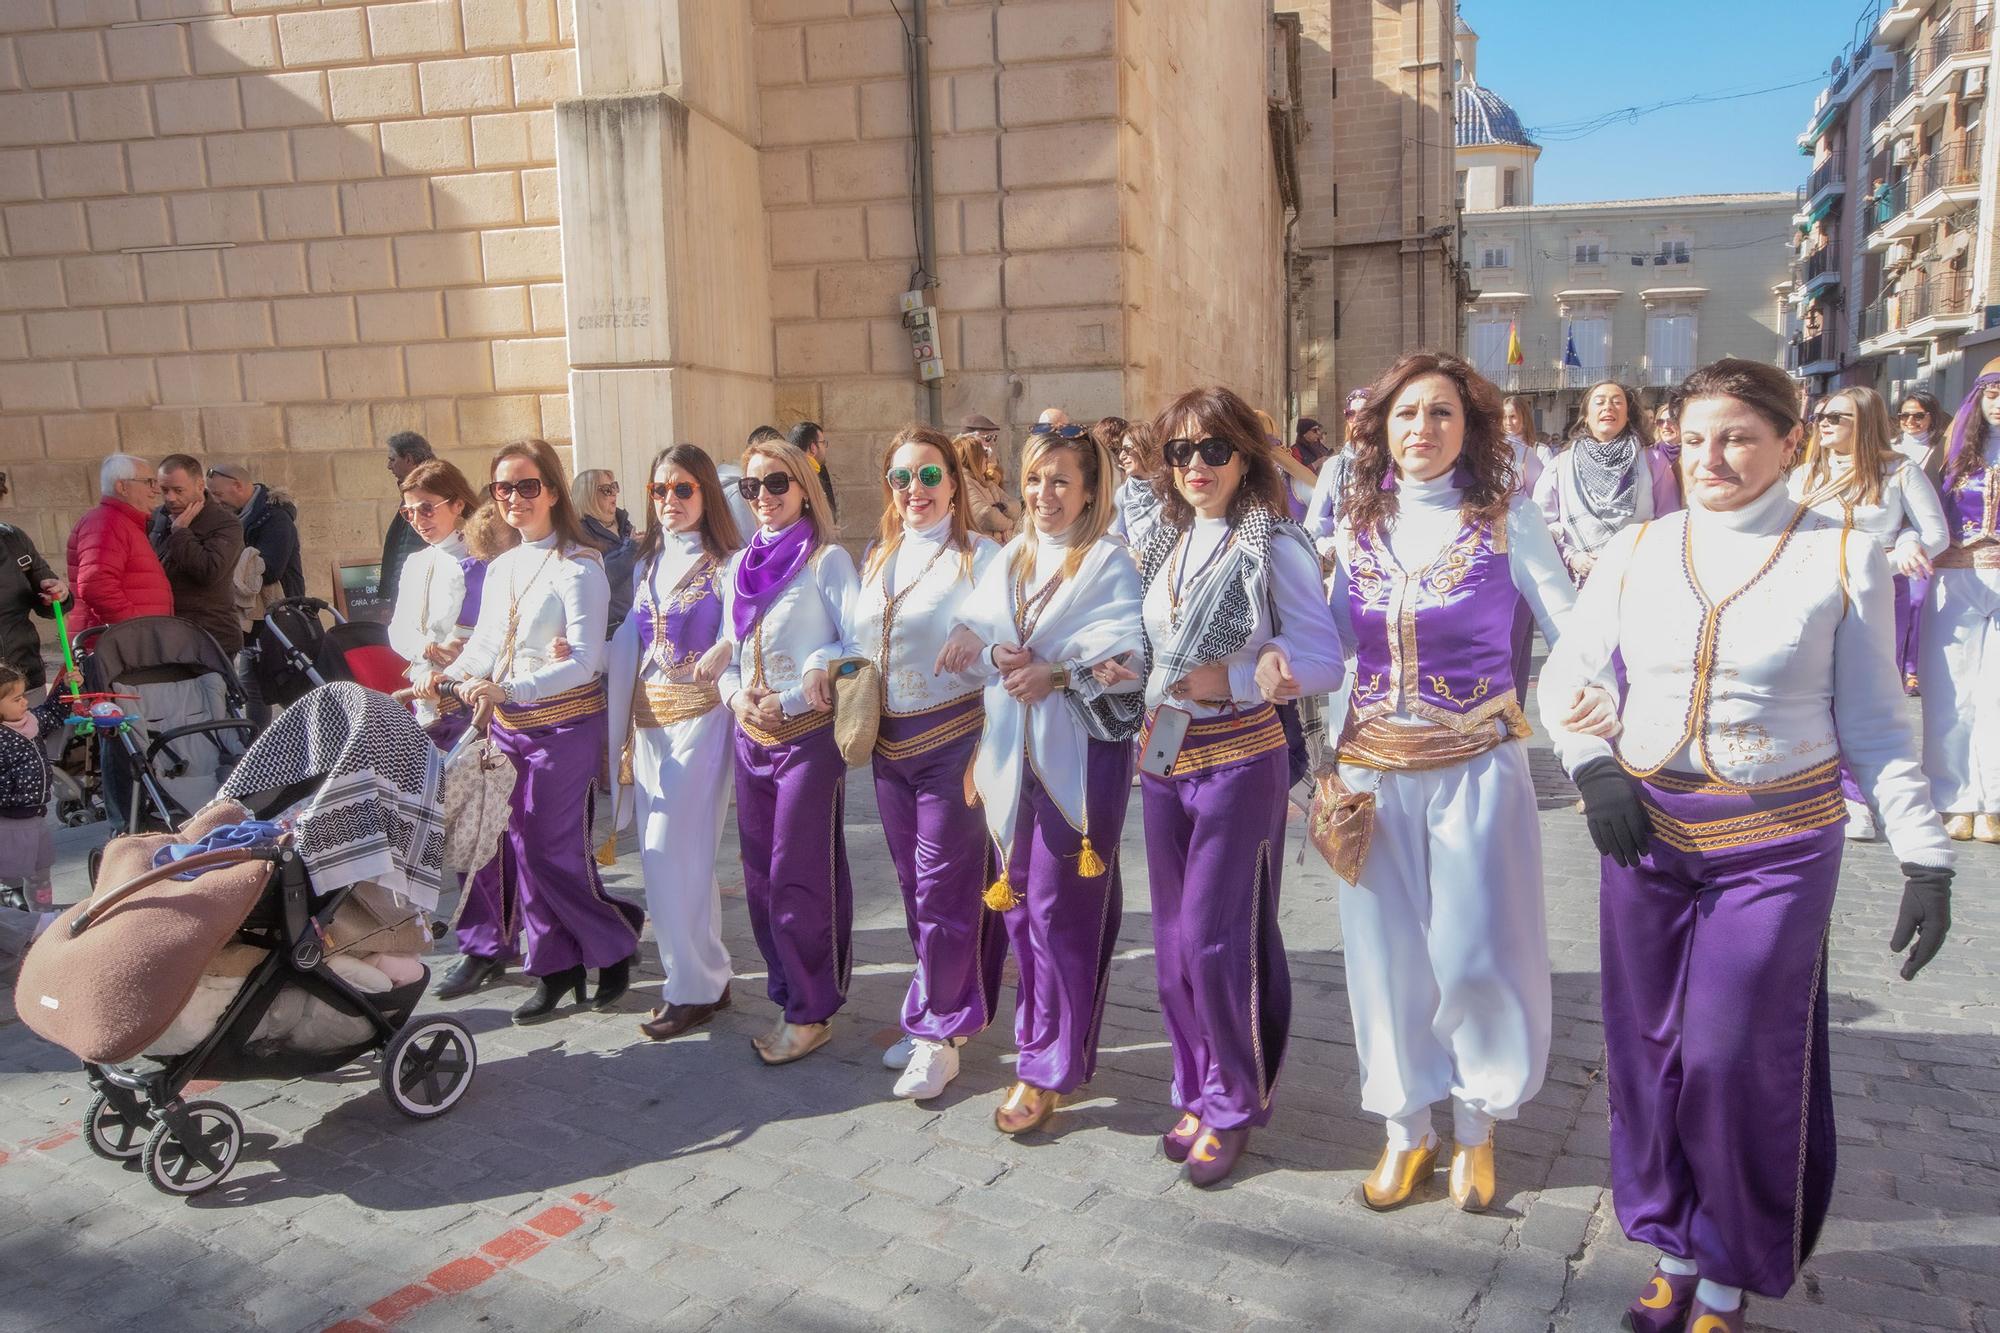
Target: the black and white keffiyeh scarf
pixel 375 813
pixel 1607 480
pixel 1217 610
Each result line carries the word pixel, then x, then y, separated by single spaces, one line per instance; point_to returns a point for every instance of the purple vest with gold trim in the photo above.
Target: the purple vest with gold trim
pixel 1972 503
pixel 1437 644
pixel 687 623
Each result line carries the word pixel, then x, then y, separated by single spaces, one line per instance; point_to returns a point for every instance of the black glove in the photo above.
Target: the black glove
pixel 1924 916
pixel 1611 806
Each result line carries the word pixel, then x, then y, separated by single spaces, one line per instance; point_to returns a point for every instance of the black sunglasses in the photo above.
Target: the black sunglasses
pixel 1213 452
pixel 777 483
pixel 1064 432
pixel 528 489
pixel 1832 418
pixel 680 490
pixel 1913 416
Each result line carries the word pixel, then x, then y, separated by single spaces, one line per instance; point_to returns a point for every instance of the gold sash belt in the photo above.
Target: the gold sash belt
pixel 790 730
pixel 1392 747
pixel 663 705
pixel 1986 555
pixel 570 705
pixel 944 733
pixel 1718 835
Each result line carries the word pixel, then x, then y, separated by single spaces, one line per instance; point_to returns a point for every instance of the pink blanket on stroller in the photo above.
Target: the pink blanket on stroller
pixel 108 992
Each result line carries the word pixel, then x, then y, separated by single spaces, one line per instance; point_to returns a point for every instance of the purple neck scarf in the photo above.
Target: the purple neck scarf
pixel 768 564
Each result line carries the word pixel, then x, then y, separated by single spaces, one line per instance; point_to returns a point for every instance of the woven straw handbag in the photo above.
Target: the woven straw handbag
pixel 857 707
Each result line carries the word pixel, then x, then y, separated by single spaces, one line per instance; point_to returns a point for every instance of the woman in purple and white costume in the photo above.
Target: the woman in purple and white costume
pixel 1755 636
pixel 1236 619
pixel 914 584
pixel 1055 763
pixel 670 733
pixel 437 604
pixel 1925 430
pixel 782 600
pixel 1853 475
pixel 1609 478
pixel 1958 639
pixel 549 720
pixel 1438 562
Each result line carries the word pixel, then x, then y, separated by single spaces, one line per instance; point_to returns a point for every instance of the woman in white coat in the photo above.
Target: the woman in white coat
pixel 670 733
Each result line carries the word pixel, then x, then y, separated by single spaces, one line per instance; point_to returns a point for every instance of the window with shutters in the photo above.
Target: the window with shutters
pixel 1510 187
pixel 1592 336
pixel 1489 347
pixel 1496 256
pixel 1669 346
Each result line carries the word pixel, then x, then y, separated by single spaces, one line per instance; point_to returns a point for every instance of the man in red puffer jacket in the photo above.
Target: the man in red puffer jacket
pixel 112 569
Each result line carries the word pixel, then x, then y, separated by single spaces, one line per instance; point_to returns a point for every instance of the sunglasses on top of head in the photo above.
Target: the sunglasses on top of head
pixel 930 476
pixel 1061 432
pixel 1213 452
pixel 777 484
pixel 680 490
pixel 528 488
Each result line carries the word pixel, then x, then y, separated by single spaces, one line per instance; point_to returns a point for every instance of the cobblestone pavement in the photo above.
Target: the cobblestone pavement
pixel 592 1179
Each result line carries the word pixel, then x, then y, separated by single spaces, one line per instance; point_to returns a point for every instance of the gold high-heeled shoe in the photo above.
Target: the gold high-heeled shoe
pixel 1027 1108
pixel 1472 1186
pixel 1397 1175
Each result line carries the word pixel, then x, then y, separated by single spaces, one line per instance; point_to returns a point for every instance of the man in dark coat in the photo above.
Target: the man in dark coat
pixel 400 541
pixel 270 525
pixel 199 542
pixel 808 437
pixel 28 587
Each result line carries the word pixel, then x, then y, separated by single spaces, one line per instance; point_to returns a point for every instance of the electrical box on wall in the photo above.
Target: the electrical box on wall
pixel 922 322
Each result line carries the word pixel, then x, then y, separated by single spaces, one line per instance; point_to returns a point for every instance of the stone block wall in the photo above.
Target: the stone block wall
pixel 276 231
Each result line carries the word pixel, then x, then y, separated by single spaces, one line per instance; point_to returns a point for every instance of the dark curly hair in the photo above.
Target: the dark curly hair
pixel 1220 413
pixel 1485 464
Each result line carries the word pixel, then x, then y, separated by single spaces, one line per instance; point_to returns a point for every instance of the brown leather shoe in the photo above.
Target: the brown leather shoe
pixel 673 1019
pixel 793 1041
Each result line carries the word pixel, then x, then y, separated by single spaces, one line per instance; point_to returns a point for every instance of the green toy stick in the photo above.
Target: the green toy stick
pixel 69 658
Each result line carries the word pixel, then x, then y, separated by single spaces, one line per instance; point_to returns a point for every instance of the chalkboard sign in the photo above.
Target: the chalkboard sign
pixel 357 592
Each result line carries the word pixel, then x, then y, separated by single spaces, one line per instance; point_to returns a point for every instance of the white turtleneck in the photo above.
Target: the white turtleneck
pixel 550 594
pixel 1428 517
pixel 1803 667
pixel 1909 517
pixel 932 580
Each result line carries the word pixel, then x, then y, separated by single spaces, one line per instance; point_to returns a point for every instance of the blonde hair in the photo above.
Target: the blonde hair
pixel 975 460
pixel 806 477
pixel 1874 452
pixel 488 535
pixel 890 534
pixel 1093 460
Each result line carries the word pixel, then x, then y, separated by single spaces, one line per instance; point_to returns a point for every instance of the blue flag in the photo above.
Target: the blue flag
pixel 1570 358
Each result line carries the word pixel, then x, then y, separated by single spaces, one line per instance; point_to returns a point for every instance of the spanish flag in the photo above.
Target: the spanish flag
pixel 1514 357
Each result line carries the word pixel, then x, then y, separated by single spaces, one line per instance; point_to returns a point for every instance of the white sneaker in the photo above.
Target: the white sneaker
pixel 1860 822
pixel 898 1056
pixel 933 1064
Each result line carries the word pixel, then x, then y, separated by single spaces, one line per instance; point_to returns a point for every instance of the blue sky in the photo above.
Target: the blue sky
pixel 1559 61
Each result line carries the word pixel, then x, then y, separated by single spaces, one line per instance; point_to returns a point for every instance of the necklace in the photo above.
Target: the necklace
pixel 891 600
pixel 1028 609
pixel 506 663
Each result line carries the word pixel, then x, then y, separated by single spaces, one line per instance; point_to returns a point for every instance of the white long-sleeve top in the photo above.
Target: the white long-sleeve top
pixel 1429 517
pixel 1304 631
pixel 932 579
pixel 1801 669
pixel 802 629
pixel 558 595
pixel 1909 518
pixel 1323 510
pixel 428 600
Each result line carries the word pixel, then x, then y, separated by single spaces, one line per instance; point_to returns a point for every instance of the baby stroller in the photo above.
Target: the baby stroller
pixel 296 651
pixel 267 950
pixel 174 722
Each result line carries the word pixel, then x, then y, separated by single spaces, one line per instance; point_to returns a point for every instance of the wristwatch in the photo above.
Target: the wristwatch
pixel 1059 677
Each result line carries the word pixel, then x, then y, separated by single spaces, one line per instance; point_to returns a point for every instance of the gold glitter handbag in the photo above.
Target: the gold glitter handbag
pixel 1341 824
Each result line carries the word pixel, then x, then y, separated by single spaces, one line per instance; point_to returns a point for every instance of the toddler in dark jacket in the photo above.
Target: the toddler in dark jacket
pixel 27 851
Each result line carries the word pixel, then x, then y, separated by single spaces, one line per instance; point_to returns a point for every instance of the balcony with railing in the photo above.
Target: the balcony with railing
pixel 1806 355
pixel 1944 179
pixel 1938 303
pixel 1887 214
pixel 1958 42
pixel 1827 181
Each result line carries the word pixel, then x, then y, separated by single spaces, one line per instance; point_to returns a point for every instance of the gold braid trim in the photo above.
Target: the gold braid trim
pixel 1718 835
pixel 1265 734
pixel 965 724
pixel 1986 555
pixel 583 701
pixel 790 730
pixel 664 705
pixel 1391 747
pixel 1812 777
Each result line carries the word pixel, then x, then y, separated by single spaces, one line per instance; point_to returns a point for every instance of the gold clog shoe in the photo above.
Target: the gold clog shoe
pixel 1986 828
pixel 792 1041
pixel 1027 1108
pixel 1397 1175
pixel 1958 827
pixel 1472 1187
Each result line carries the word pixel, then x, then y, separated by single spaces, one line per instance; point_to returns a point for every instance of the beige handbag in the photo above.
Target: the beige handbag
pixel 857 707
pixel 476 794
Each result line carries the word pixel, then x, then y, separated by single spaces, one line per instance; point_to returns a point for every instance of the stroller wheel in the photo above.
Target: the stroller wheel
pixel 428 1066
pixel 188 1165
pixel 109 1134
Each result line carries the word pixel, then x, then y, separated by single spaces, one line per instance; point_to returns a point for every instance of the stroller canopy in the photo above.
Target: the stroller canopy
pixel 151 649
pixel 374 813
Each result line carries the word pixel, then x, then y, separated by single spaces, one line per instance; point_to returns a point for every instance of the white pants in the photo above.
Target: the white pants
pixel 681 780
pixel 1958 660
pixel 1446 946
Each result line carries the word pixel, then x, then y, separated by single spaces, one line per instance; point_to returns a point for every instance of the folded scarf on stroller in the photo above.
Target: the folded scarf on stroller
pixel 374 814
pixel 249 833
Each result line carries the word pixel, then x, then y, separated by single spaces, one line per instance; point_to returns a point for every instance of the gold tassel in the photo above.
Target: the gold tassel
pixel 1000 895
pixel 1088 863
pixel 625 764
pixel 607 851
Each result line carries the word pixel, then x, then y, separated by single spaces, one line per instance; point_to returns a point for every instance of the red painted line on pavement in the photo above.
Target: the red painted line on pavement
pixel 462 1274
pixel 49 1144
pixel 201 1087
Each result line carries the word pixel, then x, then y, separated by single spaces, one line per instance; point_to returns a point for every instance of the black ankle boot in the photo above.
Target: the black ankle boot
pixel 549 992
pixel 467 975
pixel 612 982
